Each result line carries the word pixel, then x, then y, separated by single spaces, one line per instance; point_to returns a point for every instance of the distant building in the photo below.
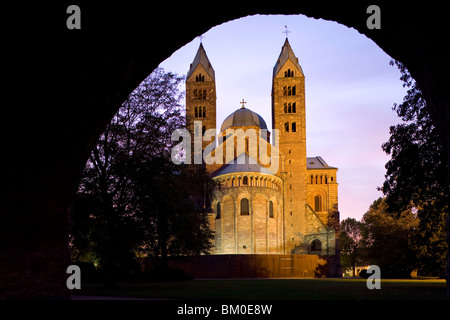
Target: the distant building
pixel 256 210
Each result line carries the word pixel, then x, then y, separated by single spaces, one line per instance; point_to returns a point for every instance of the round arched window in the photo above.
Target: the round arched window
pixel 316 245
pixel 244 207
pixel 218 210
pixel 317 204
pixel 270 209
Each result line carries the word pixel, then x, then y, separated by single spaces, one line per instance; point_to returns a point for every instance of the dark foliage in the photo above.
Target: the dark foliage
pixel 417 177
pixel 132 200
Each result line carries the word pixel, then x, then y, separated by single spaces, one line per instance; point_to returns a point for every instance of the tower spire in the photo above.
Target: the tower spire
pixel 288 118
pixel 201 59
pixel 200 98
pixel 286 54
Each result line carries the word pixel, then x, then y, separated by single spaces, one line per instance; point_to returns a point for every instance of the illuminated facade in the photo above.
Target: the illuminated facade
pixel 258 210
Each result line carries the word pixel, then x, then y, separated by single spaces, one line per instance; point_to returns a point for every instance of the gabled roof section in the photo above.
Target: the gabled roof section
pixel 286 53
pixel 242 163
pixel 201 58
pixel 317 163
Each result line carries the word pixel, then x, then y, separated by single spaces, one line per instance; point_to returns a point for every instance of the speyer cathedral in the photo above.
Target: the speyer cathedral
pixel 258 210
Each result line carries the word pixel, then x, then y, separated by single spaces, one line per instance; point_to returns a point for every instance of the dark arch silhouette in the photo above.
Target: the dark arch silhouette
pixel 64 86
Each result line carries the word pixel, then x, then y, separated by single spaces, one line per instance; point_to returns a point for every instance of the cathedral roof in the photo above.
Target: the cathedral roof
pixel 286 53
pixel 242 163
pixel 317 163
pixel 243 117
pixel 201 58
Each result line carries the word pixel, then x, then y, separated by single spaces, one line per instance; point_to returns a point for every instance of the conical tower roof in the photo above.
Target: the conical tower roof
pixel 201 58
pixel 286 53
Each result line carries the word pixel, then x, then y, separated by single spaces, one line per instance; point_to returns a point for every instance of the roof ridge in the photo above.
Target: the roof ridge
pixel 317 162
pixel 250 165
pixel 322 161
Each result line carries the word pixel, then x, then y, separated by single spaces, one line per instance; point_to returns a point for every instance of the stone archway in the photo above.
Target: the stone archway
pixel 67 84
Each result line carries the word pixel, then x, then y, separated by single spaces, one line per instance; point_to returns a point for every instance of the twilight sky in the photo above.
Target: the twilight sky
pixel 350 89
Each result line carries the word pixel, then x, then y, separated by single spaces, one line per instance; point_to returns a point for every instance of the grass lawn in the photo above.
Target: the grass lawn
pixel 275 289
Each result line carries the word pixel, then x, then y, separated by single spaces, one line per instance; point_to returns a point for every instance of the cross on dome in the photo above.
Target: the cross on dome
pixel 243 102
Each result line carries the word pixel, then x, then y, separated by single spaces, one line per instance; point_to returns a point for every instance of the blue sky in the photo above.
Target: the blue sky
pixel 350 90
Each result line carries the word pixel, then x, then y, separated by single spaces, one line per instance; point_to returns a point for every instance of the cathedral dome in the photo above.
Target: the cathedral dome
pixel 243 117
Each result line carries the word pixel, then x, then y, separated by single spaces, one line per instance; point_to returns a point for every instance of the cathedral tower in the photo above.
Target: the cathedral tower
pixel 256 211
pixel 288 116
pixel 200 97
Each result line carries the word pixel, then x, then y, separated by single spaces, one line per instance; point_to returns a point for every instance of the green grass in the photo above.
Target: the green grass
pixel 275 289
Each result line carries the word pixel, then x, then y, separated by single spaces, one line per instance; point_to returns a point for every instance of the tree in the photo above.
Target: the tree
pixel 351 244
pixel 416 175
pixel 132 198
pixel 390 240
pixel 175 224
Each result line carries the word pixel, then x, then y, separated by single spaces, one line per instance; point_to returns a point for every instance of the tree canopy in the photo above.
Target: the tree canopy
pixel 416 175
pixel 405 230
pixel 351 244
pixel 390 240
pixel 132 200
